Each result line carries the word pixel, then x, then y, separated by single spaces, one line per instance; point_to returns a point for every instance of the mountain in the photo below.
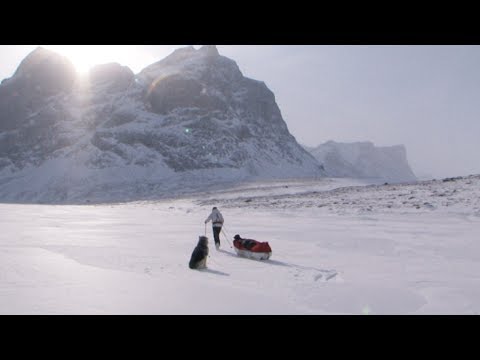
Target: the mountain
pixel 190 121
pixel 364 160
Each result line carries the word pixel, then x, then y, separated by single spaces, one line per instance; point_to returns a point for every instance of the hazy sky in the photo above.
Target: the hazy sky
pixel 425 97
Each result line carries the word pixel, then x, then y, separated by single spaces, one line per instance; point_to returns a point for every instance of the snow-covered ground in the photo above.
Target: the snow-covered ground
pixel 339 247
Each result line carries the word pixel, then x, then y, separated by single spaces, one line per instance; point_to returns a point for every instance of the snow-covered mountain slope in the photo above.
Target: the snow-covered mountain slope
pixel 460 196
pixel 364 160
pixel 187 122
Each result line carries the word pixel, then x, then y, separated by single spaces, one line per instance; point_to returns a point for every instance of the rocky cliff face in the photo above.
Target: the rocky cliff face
pixel 364 160
pixel 189 121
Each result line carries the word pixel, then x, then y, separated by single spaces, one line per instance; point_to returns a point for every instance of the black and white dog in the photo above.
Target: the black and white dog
pixel 199 255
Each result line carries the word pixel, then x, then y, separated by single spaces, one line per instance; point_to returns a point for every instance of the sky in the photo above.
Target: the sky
pixel 424 97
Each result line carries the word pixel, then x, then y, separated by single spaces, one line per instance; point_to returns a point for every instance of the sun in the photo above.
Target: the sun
pixel 85 57
pixel 136 57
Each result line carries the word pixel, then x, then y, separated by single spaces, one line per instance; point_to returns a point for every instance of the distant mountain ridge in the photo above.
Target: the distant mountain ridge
pixel 188 121
pixel 364 160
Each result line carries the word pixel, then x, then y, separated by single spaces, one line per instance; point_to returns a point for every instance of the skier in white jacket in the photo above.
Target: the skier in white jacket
pixel 217 223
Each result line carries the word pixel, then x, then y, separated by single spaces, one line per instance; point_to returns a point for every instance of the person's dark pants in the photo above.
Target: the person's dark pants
pixel 216 234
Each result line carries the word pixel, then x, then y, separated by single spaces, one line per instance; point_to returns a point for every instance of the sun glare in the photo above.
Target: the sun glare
pixel 85 57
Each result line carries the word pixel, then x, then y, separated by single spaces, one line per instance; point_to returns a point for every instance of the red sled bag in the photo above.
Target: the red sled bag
pixel 252 249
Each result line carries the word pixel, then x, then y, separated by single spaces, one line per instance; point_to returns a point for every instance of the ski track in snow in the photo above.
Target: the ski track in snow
pixel 371 249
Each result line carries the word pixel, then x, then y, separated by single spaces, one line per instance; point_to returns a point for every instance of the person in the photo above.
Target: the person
pixel 246 243
pixel 217 222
